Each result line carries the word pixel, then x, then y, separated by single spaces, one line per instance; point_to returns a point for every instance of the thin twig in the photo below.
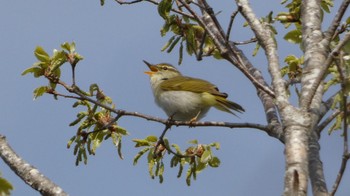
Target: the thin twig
pixel 121 2
pixel 127 2
pixel 331 31
pixel 345 158
pixel 200 53
pixel 252 40
pixel 233 16
pixel 64 96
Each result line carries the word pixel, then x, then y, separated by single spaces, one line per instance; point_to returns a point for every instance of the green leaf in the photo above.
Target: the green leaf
pixel 80 116
pixel 70 141
pixel 326 4
pixel 41 55
pixel 173 44
pixel 188 176
pixel 206 156
pixel 177 148
pixel 40 91
pixel 151 138
pixel 97 139
pixel 347 21
pixel 58 59
pixel 214 162
pixel 37 71
pixel 216 145
pixel 139 155
pixel 121 130
pixel 5 187
pixel 151 167
pixel 141 142
pixel 70 47
pixel 200 166
pixel 181 168
pixel 164 8
pixel 85 158
pixel 117 141
pixel 93 88
pixel 181 49
pixel 168 43
pixel 174 161
pixel 256 49
pixel 193 142
pixel 294 36
pixel 337 125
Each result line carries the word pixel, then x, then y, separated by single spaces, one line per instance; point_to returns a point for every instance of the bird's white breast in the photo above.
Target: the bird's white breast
pixel 181 105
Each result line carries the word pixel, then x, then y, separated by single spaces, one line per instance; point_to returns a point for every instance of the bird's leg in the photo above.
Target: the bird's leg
pixel 194 119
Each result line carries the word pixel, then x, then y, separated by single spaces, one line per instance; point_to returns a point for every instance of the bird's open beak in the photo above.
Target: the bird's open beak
pixel 151 67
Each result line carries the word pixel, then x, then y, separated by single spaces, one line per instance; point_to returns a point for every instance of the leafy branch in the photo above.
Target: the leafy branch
pixel 98 121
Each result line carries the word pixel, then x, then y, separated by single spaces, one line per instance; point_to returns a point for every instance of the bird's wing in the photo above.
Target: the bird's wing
pixel 182 83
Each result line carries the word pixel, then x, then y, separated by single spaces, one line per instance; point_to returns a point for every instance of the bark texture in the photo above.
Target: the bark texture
pixel 27 172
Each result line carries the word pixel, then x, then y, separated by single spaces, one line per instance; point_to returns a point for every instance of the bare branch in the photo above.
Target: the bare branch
pixel 343 78
pixel 252 40
pixel 121 2
pixel 340 173
pixel 233 16
pixel 27 172
pixel 331 31
pixel 214 30
pixel 266 40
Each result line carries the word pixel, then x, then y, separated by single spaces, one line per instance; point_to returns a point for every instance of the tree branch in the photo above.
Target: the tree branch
pixel 318 182
pixel 121 113
pixel 322 67
pixel 331 31
pixel 343 78
pixel 266 40
pixel 233 16
pixel 121 2
pixel 27 172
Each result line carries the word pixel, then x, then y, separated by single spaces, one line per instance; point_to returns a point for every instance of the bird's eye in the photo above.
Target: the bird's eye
pixel 165 68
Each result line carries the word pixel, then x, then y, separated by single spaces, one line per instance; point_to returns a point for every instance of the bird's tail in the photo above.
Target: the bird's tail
pixel 227 105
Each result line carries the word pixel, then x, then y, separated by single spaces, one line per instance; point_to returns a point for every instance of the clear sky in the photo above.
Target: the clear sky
pixel 114 40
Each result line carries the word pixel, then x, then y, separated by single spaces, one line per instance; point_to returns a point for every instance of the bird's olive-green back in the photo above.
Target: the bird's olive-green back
pixel 182 83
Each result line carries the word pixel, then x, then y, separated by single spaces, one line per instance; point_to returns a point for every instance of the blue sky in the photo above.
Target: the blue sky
pixel 114 40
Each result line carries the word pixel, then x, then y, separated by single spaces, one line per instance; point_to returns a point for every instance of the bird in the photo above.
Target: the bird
pixel 186 98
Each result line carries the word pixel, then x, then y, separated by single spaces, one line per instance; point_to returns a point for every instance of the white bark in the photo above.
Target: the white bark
pixel 27 172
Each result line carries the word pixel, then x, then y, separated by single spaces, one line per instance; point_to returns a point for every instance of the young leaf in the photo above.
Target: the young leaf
pixel 293 36
pixel 168 43
pixel 206 156
pixel 151 138
pixel 37 71
pixel 164 8
pixel 5 187
pixel 70 141
pixel 214 162
pixel 40 91
pixel 41 55
pixel 139 155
